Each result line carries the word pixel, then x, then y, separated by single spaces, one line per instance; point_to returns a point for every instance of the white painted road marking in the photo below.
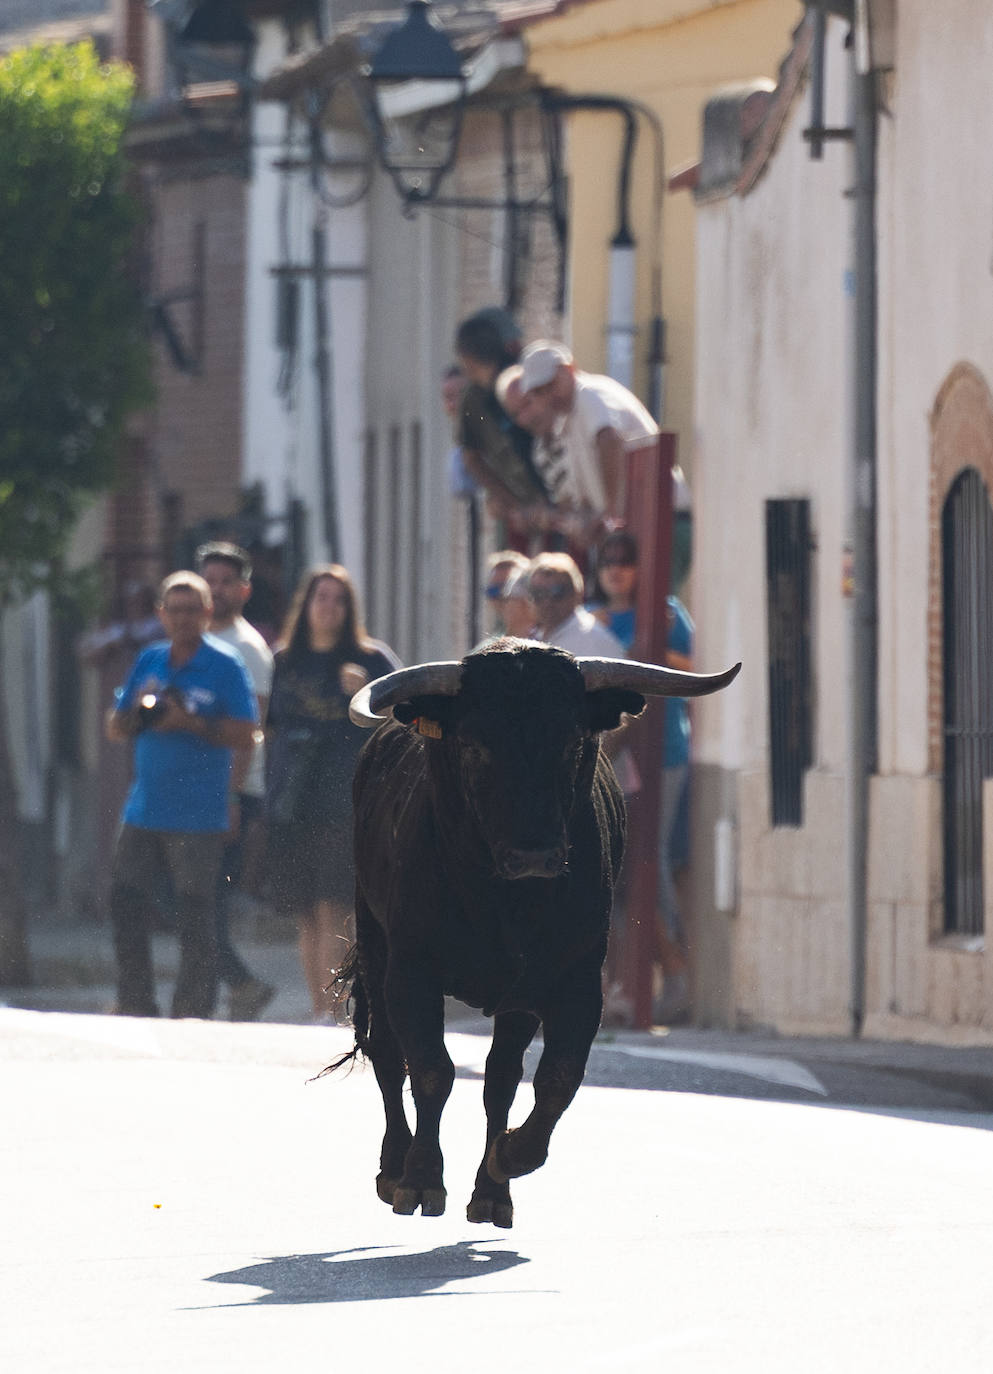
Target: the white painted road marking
pixel 785 1072
pixel 470 1051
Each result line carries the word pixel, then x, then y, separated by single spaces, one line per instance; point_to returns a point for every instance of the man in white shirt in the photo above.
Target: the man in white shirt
pixel 227 570
pixel 591 423
pixel 555 585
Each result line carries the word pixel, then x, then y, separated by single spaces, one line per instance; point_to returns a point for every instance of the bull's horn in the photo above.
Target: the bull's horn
pixel 370 705
pixel 650 679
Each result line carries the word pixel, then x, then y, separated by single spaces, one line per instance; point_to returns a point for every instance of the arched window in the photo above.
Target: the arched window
pixel 967 664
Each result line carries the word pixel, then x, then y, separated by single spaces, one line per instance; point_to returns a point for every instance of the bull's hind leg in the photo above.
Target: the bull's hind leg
pixel 569 1025
pixel 512 1033
pixel 382 1047
pixel 417 1012
pixel 391 1074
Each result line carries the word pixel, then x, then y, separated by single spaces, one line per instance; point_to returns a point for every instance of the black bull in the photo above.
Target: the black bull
pixel 489 829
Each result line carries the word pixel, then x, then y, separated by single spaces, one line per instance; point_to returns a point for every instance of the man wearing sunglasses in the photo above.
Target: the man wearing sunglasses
pixel 556 588
pixel 501 567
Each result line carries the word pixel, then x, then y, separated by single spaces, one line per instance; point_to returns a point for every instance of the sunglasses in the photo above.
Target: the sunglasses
pixel 558 593
pixel 494 591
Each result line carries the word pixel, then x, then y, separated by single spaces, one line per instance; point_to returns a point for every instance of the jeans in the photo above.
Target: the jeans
pixel 190 862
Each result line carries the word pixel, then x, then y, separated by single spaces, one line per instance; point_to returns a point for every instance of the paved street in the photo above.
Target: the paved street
pixel 180 1195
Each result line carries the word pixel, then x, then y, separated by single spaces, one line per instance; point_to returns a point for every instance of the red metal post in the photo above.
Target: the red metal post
pixel 649 518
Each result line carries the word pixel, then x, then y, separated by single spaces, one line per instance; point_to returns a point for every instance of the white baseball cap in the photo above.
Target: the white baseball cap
pixel 540 361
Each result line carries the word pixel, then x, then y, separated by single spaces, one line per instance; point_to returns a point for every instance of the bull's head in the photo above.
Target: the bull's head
pixel 516 725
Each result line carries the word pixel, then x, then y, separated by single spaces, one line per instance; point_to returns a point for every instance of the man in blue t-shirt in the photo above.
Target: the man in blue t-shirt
pixel 187 703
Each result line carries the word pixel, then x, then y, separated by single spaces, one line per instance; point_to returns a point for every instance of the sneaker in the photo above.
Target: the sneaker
pixel 249 999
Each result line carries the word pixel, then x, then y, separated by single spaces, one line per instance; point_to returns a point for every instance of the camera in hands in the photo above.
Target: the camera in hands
pixel 151 707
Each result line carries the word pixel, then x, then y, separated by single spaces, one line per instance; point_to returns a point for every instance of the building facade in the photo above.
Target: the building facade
pixel 779 488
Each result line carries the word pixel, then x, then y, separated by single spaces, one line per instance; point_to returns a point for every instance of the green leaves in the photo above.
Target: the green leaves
pixel 73 355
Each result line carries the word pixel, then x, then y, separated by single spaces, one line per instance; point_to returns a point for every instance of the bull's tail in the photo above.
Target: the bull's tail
pixel 348 988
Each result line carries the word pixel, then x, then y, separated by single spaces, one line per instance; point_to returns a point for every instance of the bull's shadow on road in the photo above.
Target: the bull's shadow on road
pixel 371 1273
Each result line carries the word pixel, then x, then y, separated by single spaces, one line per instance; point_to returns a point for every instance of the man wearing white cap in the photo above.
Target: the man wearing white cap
pixel 594 421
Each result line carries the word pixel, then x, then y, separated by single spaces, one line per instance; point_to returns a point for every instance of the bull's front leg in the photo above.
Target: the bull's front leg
pixel 569 1025
pixel 417 1012
pixel 512 1033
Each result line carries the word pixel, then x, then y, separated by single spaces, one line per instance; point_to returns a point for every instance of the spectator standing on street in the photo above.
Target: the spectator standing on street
pixel 614 605
pixel 556 588
pixel 616 585
pixel 187 703
pixel 672 939
pixel 227 570
pixel 324 657
pixel 501 567
pixel 109 652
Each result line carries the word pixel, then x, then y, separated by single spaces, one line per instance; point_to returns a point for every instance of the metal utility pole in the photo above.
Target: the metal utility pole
pixel 864 724
pixel 322 349
pixel 325 383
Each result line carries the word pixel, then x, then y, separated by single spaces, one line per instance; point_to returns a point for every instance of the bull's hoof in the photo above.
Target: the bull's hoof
pixel 385 1188
pixel 501 1163
pixel 486 1209
pixel 430 1200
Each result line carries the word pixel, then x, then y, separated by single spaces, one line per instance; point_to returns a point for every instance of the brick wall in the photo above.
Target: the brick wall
pixel 483 232
pixel 196 425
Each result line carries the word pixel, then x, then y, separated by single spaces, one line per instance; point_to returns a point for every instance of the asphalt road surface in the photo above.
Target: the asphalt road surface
pixel 182 1197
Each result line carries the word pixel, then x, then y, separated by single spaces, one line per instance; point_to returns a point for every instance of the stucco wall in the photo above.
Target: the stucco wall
pixel 772 400
pixel 411 313
pixel 936 295
pixel 771 405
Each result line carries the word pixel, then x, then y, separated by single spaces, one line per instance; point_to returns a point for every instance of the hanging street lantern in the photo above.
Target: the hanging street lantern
pixel 418 96
pixel 208 41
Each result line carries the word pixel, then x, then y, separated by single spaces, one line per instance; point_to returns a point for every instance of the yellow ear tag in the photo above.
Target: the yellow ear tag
pixel 431 728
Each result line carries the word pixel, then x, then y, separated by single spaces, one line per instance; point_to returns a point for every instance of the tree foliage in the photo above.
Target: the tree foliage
pixel 73 358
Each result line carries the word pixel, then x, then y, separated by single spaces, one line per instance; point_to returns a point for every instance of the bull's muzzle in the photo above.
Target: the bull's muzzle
pixel 531 863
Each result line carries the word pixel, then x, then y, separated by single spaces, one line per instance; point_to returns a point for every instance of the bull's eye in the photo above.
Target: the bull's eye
pixel 475 753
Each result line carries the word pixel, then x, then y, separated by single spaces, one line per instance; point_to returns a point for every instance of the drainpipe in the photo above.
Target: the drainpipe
pixel 621 327
pixel 861 515
pixel 864 620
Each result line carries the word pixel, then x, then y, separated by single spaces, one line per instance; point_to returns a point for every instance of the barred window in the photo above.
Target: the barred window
pixel 967 613
pixel 787 542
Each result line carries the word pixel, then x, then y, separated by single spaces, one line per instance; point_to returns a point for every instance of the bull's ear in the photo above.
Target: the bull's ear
pixel 430 715
pixel 606 706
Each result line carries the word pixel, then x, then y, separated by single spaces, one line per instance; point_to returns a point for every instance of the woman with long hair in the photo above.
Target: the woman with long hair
pixel 323 658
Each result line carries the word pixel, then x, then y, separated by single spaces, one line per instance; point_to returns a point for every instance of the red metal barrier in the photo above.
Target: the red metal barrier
pixel 649 518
